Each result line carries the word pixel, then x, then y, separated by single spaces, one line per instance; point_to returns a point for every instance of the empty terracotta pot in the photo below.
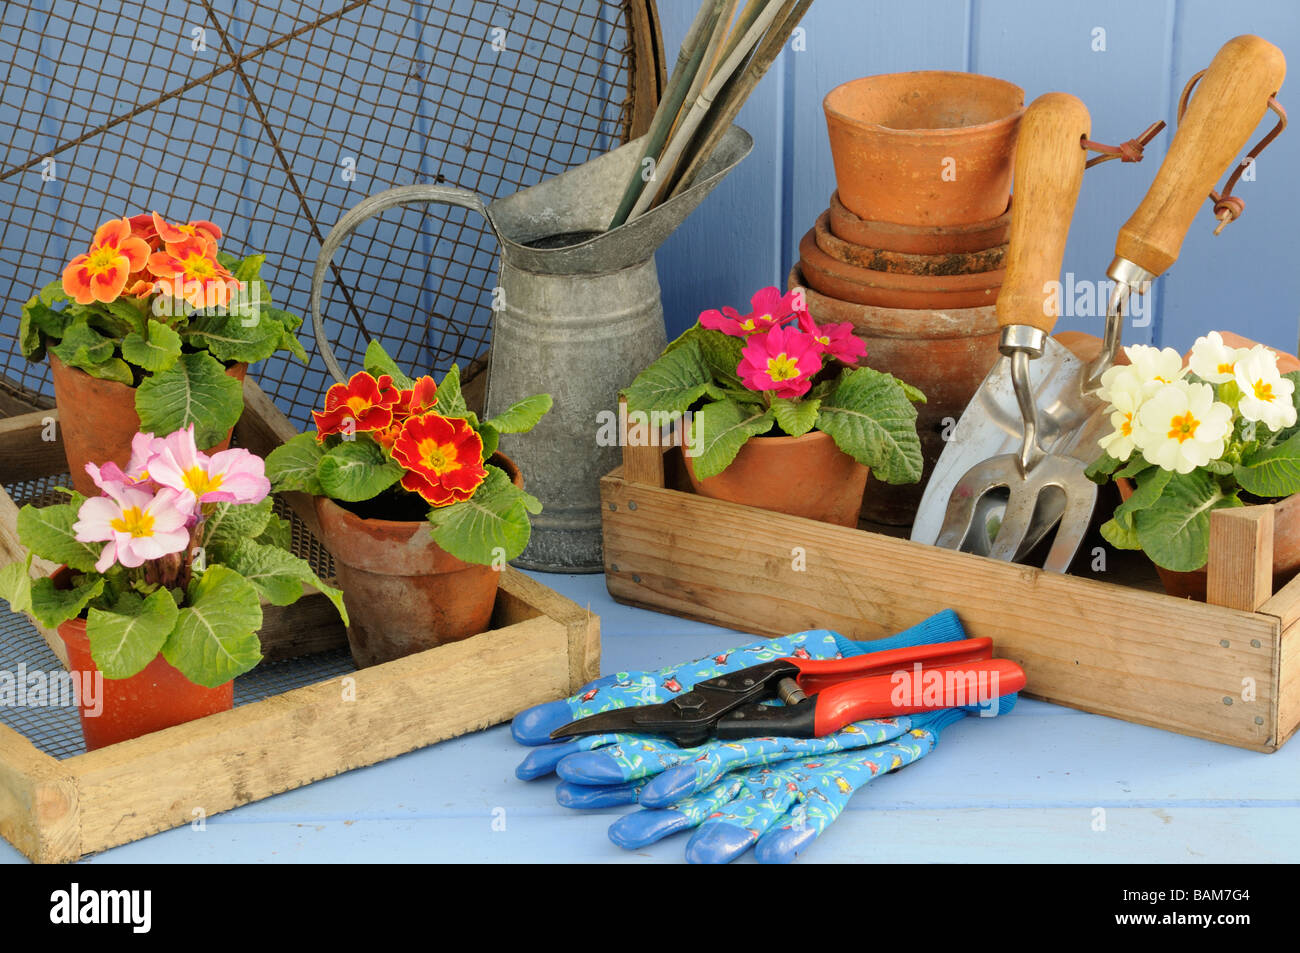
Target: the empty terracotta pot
pixel 404 594
pixel 155 698
pixel 918 239
pixel 946 353
pixel 885 289
pixel 97 420
pixel 901 263
pixel 806 476
pixel 924 148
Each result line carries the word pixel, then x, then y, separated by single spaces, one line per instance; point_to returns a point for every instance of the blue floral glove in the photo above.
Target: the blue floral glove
pixel 780 809
pixel 534 726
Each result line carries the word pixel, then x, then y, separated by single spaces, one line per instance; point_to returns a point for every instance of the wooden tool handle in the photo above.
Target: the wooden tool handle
pixel 1225 108
pixel 1048 171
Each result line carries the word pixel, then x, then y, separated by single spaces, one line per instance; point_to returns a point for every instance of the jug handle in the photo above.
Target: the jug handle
pixel 368 208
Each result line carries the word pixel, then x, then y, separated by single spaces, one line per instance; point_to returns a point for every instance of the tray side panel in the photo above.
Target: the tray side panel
pixel 157 782
pixel 38 803
pixel 1091 645
pixel 1288 708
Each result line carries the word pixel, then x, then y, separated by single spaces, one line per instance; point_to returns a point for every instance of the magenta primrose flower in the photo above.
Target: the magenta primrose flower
pixel 781 360
pixel 231 476
pixel 836 340
pixel 770 309
pixel 135 524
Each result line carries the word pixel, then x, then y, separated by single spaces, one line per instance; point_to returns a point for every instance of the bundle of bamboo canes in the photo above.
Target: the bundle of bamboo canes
pixel 722 58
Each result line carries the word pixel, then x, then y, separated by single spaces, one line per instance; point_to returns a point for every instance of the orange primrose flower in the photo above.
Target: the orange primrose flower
pixel 102 273
pixel 174 234
pixel 187 270
pixel 366 402
pixel 415 401
pixel 443 457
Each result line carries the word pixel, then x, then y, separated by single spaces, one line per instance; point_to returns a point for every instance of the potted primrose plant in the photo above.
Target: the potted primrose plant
pixel 162 576
pixel 152 329
pixel 419 510
pixel 782 416
pixel 1189 438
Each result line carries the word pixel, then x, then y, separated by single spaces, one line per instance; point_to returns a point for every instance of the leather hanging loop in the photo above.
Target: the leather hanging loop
pixel 1228 207
pixel 1128 151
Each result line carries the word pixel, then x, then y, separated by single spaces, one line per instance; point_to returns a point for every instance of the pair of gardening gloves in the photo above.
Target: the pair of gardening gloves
pixel 776 795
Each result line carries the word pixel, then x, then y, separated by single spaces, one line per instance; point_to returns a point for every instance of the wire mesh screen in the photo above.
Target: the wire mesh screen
pixel 273 117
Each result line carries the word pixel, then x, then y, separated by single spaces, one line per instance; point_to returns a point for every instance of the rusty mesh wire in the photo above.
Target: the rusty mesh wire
pixel 272 117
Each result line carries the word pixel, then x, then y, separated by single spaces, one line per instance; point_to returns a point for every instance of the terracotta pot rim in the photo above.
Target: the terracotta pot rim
pixel 911 323
pixel 810 437
pixel 938 132
pixel 511 468
pixel 920 264
pixel 838 209
pixel 811 253
pixel 67 369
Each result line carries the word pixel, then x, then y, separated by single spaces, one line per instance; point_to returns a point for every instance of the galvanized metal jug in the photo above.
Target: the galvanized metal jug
pixel 578 316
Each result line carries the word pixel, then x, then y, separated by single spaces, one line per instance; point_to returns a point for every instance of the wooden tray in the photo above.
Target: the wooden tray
pixel 1227 671
pixel 541 647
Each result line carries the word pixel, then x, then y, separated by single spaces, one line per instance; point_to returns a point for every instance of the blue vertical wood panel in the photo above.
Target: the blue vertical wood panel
pixel 1246 278
pixel 730 246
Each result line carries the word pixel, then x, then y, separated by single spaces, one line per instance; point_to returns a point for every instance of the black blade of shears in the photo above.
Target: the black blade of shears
pixel 689 718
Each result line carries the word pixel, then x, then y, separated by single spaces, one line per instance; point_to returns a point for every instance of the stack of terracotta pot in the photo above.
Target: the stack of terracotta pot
pixel 911 249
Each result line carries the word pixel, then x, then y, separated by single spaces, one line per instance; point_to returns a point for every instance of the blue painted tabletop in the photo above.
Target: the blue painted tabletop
pixel 1045 784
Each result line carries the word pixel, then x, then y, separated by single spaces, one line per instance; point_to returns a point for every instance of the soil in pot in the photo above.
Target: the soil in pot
pixel 805 476
pixel 97 420
pixel 155 698
pixel 403 593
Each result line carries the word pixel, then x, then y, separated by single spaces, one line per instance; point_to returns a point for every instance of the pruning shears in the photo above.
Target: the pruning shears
pixel 818 696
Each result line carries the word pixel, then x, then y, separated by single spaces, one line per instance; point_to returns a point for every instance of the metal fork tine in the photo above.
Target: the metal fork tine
pixel 957 520
pixel 1015 522
pixel 1080 501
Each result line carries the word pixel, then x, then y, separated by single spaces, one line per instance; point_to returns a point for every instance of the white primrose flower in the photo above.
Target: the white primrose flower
pixel 1150 368
pixel 1119 443
pixel 1266 396
pixel 1214 361
pixel 1181 426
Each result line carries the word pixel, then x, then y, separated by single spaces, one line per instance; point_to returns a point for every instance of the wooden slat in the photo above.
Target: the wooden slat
pixel 643 459
pixel 38 802
pixel 1288 714
pixel 521 593
pixel 1097 646
pixel 155 782
pixel 25 451
pixel 1285 604
pixel 1241 557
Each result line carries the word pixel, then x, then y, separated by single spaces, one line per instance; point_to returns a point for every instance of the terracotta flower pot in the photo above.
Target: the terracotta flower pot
pixel 903 263
pixel 918 239
pixel 805 476
pixel 885 289
pixel 1286 551
pixel 924 148
pixel 946 353
pixel 98 419
pixel 403 593
pixel 155 698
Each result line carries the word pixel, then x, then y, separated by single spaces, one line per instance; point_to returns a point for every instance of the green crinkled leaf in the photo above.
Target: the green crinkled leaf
pixel 1146 493
pixel 721 353
pixel 215 637
pixel 126 315
pixel 357 469
pixel 278 532
pixel 53 293
pixel 249 269
pixel 493 523
pixel 1119 536
pixel 1174 530
pixel 82 346
pixel 451 402
pixel 294 465
pixel 127 638
pixel 491 438
pixel 16 584
pixel 114 369
pixel 52 606
pixel 523 416
pixel 1136 464
pixel 234 337
pixel 155 352
pixel 1271 471
pixel 230 524
pixel 195 390
pixel 1100 470
pixel 795 417
pixel 914 394
pixel 279 575
pixel 870 418
pixel 47 531
pixel 719 430
pixel 377 362
pixel 676 380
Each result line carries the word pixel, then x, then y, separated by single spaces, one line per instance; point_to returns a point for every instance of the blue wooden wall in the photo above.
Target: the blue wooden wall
pixel 1246 279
